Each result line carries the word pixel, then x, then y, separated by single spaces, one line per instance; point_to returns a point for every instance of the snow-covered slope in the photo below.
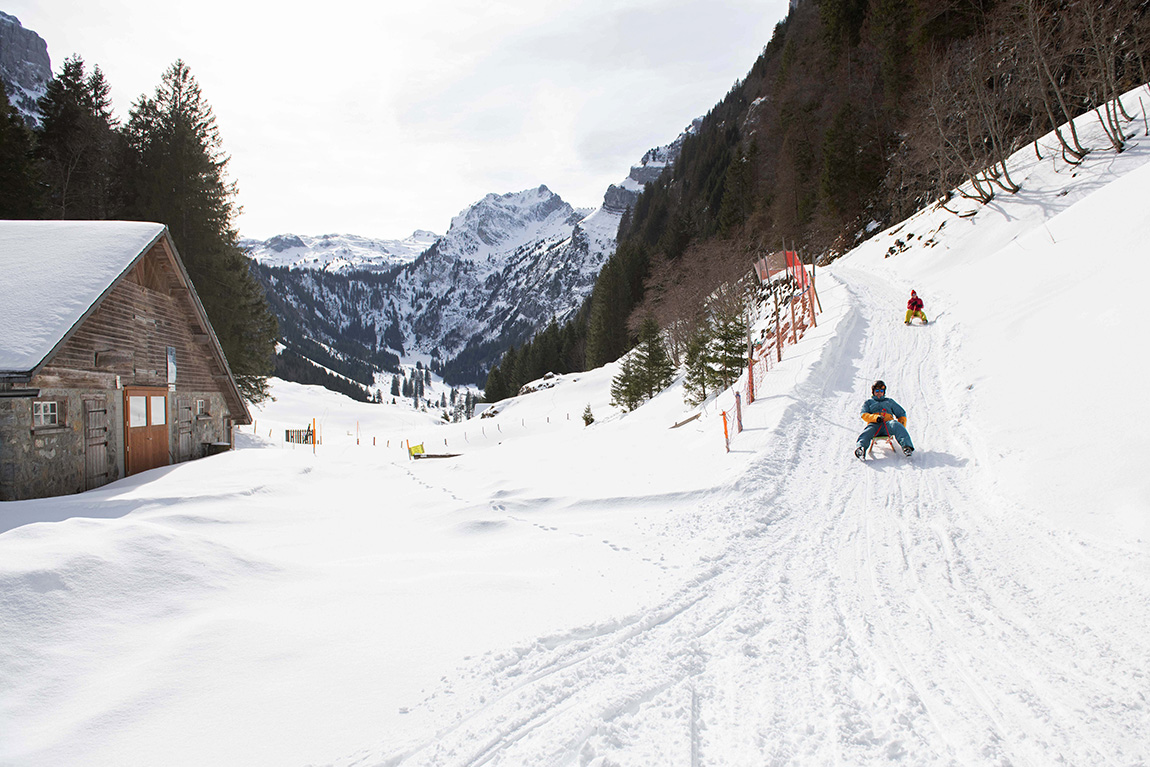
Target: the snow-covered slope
pixel 632 594
pixel 339 252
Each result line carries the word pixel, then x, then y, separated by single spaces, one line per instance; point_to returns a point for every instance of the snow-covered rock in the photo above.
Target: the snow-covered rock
pixel 24 66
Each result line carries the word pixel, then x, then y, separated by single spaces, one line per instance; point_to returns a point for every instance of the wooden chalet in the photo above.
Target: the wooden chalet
pixel 108 365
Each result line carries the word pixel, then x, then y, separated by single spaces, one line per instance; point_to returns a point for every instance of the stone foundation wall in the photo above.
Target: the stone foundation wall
pixel 209 428
pixel 49 461
pixel 45 462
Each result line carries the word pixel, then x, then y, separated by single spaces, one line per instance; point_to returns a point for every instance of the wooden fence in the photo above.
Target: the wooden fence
pixel 299 436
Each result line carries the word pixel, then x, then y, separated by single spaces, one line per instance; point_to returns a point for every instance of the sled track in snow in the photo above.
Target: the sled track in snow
pixel 857 613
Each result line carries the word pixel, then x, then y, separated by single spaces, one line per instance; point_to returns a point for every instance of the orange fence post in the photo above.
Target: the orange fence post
pixel 778 329
pixel 751 380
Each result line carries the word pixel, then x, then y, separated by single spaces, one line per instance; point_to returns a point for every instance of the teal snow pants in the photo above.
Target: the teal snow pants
pixel 901 435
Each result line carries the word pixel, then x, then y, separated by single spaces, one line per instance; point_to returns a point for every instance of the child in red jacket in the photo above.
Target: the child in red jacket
pixel 914 308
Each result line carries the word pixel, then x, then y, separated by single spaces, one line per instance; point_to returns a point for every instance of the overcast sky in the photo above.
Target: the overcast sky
pixel 379 118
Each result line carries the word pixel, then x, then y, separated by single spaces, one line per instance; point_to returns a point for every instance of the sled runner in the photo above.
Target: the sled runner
pixel 883 435
pixel 887 437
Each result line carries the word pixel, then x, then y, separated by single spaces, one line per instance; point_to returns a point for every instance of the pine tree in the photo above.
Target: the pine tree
pixel 76 143
pixel 395 386
pixel 606 330
pixel 496 388
pixel 19 191
pixel 657 370
pixel 588 417
pixel 727 352
pixel 174 173
pixel 698 374
pixel 627 388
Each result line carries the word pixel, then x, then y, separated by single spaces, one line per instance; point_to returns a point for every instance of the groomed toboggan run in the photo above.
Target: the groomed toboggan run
pixel 927 611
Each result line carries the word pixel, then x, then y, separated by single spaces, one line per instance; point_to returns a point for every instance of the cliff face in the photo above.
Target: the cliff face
pixel 24 66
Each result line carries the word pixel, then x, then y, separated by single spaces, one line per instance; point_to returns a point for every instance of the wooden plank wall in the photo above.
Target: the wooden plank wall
pixel 129 335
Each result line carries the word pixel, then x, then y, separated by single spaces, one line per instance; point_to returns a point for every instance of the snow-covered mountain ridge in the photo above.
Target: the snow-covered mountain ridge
pixel 507 265
pixel 338 252
pixel 498 226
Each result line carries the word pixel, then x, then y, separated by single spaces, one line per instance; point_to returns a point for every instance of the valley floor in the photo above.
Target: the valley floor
pixel 783 604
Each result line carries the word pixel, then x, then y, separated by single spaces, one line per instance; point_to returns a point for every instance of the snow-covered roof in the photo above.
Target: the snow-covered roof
pixel 52 272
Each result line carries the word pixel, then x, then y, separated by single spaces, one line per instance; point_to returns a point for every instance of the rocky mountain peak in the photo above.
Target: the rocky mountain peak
pixel 499 223
pixel 508 265
pixel 25 67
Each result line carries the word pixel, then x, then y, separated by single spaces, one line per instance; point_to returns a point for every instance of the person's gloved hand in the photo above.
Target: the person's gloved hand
pixel 886 416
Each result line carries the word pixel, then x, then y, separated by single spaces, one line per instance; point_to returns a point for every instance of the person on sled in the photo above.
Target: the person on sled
pixel 914 308
pixel 883 415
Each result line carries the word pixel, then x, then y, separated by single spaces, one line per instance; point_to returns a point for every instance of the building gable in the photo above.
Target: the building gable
pixel 52 273
pixel 127 297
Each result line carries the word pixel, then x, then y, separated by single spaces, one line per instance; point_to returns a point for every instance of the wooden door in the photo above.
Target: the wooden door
pixel 145 428
pixel 95 442
pixel 184 429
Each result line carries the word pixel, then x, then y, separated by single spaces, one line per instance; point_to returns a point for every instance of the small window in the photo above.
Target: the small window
pixel 137 411
pixel 45 413
pixel 201 407
pixel 159 413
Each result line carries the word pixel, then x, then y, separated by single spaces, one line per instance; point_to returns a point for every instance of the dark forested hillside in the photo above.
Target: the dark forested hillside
pixel 856 114
pixel 859 112
pixel 319 320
